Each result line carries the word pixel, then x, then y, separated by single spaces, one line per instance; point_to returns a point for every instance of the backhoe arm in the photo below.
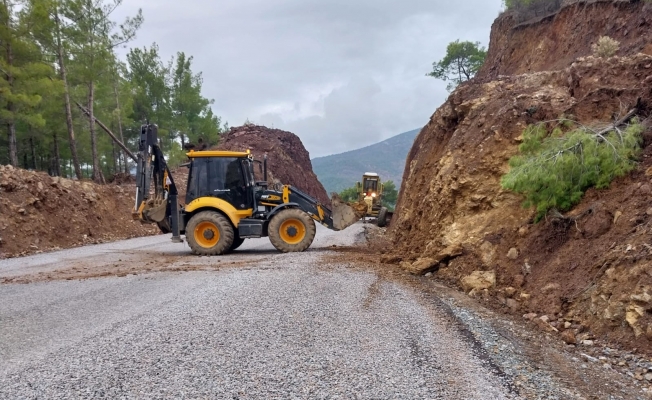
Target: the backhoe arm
pixel 161 206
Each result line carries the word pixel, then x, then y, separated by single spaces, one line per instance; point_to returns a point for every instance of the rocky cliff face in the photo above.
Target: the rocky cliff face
pixel 592 277
pixel 288 161
pixel 556 41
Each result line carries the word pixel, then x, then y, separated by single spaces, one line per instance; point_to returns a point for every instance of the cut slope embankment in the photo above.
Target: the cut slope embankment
pixel 591 278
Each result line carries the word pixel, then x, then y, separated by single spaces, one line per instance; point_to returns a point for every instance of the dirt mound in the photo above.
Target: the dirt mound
pixel 590 274
pixel 40 213
pixel 288 161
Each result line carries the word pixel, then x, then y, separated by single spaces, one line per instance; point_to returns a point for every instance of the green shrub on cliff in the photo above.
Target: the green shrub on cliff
pixel 605 47
pixel 553 170
pixel 523 4
pixel 524 10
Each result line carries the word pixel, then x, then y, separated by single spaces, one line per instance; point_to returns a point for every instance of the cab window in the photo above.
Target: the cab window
pixel 220 177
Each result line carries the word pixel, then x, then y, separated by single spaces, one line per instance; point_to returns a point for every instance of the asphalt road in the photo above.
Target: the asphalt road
pixel 254 325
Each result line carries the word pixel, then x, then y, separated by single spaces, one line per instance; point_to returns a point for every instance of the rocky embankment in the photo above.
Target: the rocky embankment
pixel 588 276
pixel 41 213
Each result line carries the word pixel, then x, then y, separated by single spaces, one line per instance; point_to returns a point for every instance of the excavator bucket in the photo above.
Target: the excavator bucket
pixel 155 210
pixel 346 214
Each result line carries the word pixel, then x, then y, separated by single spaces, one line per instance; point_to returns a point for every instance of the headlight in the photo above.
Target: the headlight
pixel 373 195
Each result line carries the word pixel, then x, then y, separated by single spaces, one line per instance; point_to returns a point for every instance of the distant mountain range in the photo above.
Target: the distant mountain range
pixel 387 158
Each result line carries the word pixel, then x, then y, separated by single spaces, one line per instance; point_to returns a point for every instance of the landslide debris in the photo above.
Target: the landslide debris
pixel 287 160
pixel 40 213
pixel 589 273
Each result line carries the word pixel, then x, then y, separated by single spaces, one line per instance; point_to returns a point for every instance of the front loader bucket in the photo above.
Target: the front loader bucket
pixel 346 214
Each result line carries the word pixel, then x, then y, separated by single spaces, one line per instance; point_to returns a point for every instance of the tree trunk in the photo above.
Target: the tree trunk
pixel 13 148
pixel 122 138
pixel 114 156
pixel 97 172
pixel 459 70
pixel 11 125
pixel 66 95
pixel 57 156
pixel 117 156
pixel 32 151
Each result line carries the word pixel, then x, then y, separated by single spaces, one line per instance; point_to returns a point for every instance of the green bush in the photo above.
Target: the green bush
pixel 554 170
pixel 605 47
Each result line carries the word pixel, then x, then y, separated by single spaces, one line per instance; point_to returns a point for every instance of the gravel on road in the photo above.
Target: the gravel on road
pixel 280 327
pixel 256 324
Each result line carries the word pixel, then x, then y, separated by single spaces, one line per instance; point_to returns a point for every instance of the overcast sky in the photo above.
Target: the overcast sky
pixel 341 74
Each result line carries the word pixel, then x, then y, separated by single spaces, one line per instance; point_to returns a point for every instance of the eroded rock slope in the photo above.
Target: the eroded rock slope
pixel 592 278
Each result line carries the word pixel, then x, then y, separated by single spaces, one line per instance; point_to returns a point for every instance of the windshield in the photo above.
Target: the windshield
pixel 220 177
pixel 370 185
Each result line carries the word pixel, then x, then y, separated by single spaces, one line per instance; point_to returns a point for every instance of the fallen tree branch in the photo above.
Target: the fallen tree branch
pixel 631 114
pixel 108 131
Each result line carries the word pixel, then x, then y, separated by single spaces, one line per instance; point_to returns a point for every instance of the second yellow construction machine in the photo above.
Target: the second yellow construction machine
pixel 225 205
pixel 370 191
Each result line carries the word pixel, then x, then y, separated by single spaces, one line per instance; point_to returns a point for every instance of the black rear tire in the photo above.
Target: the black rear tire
pixel 291 230
pixel 382 217
pixel 237 242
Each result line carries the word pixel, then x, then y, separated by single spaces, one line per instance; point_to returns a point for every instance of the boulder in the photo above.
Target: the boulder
pixel 479 280
pixel 568 337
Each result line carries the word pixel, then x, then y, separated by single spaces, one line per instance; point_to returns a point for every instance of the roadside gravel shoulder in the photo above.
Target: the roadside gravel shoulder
pixel 535 364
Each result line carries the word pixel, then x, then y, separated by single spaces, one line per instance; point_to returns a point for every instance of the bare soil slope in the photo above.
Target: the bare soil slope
pixel 40 213
pixel 592 277
pixel 288 161
pixel 555 41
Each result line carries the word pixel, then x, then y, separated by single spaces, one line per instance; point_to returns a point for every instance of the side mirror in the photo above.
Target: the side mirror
pixel 358 186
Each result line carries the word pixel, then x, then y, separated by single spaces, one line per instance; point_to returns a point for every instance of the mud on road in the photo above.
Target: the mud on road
pixel 143 318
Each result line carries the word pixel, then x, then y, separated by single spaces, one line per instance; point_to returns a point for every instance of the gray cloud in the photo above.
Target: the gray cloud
pixel 340 74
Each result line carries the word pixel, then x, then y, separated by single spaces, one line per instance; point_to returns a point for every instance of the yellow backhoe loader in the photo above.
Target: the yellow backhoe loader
pixel 225 205
pixel 370 192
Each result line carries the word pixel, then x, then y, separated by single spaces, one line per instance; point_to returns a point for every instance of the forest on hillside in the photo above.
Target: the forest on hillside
pixel 59 56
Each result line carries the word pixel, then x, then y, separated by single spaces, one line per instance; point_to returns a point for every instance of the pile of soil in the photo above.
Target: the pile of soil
pixel 587 274
pixel 40 213
pixel 288 162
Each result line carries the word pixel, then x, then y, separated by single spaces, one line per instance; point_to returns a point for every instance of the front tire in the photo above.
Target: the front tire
pixel 291 230
pixel 209 233
pixel 382 217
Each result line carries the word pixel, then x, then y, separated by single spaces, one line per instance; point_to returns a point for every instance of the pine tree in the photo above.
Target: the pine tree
pixel 192 117
pixel 554 170
pixel 22 74
pixel 94 42
pixel 148 77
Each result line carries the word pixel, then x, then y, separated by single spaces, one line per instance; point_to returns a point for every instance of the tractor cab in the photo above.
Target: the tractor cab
pixel 222 175
pixel 370 184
